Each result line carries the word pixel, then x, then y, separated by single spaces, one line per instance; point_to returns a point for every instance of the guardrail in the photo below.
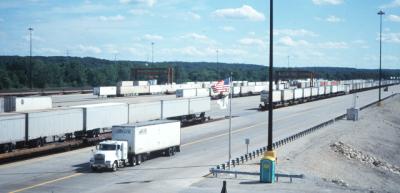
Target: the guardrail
pixel 279 143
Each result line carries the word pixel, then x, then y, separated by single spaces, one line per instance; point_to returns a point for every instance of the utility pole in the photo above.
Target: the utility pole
pixel 380 13
pixel 30 58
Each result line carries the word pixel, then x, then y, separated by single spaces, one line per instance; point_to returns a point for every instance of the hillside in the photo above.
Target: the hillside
pixel 59 71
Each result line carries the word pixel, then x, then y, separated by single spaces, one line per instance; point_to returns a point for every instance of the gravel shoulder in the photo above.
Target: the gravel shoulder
pixel 347 156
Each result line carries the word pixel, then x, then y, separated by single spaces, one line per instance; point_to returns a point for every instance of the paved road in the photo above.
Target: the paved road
pixel 203 146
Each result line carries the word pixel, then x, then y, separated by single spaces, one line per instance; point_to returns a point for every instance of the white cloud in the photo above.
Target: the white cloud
pixel 194 16
pixel 390 37
pixel 149 3
pixel 244 12
pixel 394 18
pixel 334 45
pixel 195 36
pixel 252 41
pixel 139 12
pixel 110 48
pixel 34 38
pixel 294 32
pixel 288 41
pixel 327 2
pixel 333 19
pixel 48 51
pixel 89 49
pixel 112 18
pixel 204 52
pixel 152 37
pixel 393 4
pixel 228 28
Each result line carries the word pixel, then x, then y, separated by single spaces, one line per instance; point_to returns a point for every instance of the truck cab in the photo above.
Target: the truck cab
pixel 110 155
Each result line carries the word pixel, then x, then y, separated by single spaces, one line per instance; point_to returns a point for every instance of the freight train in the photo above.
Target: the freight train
pixel 300 95
pixel 38 127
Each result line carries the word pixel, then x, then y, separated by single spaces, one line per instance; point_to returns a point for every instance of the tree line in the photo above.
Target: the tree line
pixel 63 72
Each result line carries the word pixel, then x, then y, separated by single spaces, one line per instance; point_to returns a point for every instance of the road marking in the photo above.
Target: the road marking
pixel 47 182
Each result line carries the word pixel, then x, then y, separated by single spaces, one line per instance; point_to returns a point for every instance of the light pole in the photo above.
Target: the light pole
pixel 271 39
pixel 152 52
pixel 218 70
pixel 288 62
pixel 267 162
pixel 380 13
pixel 30 57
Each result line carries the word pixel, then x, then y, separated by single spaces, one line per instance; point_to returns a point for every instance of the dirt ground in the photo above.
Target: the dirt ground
pixel 347 156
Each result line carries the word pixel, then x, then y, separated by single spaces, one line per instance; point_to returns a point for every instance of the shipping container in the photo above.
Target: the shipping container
pixel 105 91
pixel 307 92
pixel 298 93
pixel 174 108
pixel 142 89
pixel 199 105
pixel 148 136
pixel 314 91
pixel 334 89
pixel 153 82
pixel 155 89
pixel 18 104
pixel 186 93
pixel 140 83
pixel 139 112
pixel 247 90
pixel 321 90
pixel 104 115
pixel 287 94
pixel 126 91
pixel 125 83
pixel 202 92
pixel 54 122
pixel 12 127
pixel 276 96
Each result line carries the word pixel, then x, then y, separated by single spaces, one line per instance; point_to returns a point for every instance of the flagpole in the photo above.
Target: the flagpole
pixel 230 118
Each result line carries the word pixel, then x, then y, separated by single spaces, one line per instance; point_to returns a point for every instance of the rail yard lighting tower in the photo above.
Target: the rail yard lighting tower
pixel 267 163
pixel 30 57
pixel 380 13
pixel 152 52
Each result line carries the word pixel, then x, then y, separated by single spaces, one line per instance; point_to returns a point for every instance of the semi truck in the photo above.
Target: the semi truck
pixel 134 143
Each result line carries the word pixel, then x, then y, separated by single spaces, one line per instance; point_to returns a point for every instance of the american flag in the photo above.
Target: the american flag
pixel 221 86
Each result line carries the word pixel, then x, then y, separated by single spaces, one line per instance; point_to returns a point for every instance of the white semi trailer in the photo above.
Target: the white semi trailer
pixel 132 144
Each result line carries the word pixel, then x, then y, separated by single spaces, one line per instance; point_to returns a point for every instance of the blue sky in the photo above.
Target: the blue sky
pixel 341 33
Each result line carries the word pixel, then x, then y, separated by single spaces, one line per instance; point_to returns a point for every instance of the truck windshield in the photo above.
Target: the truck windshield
pixel 107 147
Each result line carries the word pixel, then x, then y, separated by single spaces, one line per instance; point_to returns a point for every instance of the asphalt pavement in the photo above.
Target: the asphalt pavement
pixel 203 146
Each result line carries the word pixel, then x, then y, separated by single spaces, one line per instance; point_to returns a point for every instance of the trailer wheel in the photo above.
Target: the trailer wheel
pixel 170 152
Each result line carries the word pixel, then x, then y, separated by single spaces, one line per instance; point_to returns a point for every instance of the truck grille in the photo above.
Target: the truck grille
pixel 99 159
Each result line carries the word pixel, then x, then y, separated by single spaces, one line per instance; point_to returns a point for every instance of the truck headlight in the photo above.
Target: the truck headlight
pixel 108 162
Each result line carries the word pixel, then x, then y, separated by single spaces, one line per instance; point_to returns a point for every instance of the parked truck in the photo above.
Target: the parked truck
pixel 132 144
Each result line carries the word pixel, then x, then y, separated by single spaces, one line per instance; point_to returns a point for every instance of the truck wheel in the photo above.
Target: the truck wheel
pixel 114 167
pixel 94 169
pixel 138 159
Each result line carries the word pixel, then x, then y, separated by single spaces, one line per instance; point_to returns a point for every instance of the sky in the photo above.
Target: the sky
pixel 314 33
